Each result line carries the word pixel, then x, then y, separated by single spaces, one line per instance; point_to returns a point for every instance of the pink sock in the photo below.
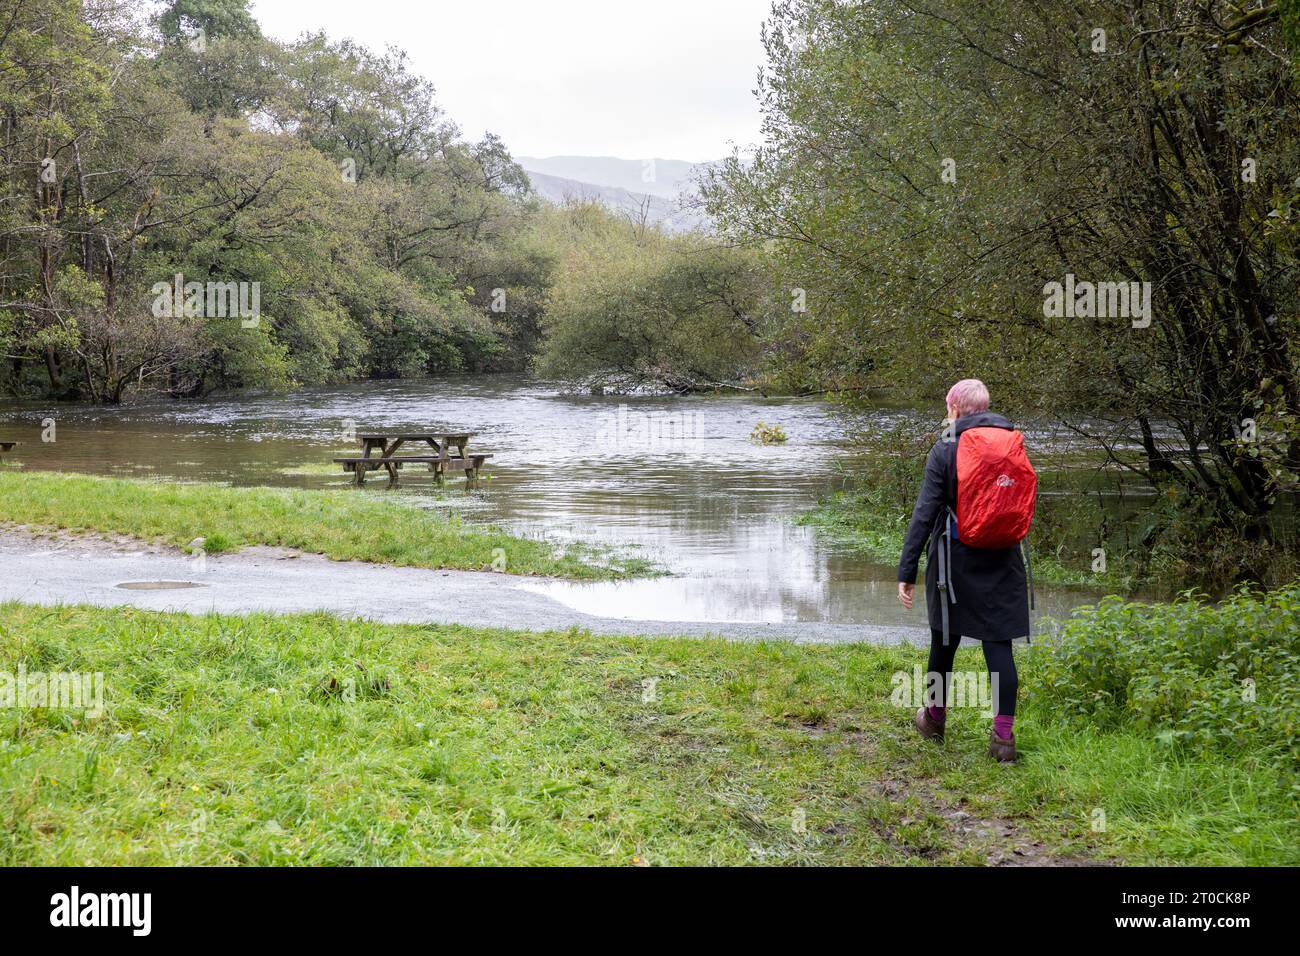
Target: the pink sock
pixel 937 713
pixel 1002 725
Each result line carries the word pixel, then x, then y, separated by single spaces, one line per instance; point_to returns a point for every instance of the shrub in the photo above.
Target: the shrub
pixel 1199 675
pixel 765 434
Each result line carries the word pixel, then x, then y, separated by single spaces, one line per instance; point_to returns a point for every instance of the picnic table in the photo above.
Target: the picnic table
pixel 379 450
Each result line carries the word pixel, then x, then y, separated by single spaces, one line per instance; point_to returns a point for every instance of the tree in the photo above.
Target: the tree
pixel 632 307
pixel 930 166
pixel 321 175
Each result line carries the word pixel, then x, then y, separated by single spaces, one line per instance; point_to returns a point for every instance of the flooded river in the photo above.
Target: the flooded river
pixel 675 480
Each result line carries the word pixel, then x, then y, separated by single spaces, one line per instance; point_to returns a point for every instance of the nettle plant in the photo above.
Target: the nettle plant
pixel 1207 677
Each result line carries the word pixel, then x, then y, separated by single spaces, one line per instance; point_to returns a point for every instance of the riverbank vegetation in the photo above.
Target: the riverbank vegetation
pixel 634 308
pixel 311 740
pixel 1211 678
pixel 343 526
pixel 1149 146
pixel 193 206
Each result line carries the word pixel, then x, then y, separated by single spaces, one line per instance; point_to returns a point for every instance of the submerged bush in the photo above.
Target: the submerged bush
pixel 1200 675
pixel 765 434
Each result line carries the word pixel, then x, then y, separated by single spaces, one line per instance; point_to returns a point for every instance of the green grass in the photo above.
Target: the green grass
pixel 239 740
pixel 344 525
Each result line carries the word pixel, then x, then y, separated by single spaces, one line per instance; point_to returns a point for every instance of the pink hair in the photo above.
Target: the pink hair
pixel 969 396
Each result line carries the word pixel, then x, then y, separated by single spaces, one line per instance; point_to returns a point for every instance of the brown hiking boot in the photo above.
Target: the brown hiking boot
pixel 927 726
pixel 1003 751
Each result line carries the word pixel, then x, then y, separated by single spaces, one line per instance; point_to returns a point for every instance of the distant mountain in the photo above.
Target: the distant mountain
pixel 657 210
pixel 658 177
pixel 659 186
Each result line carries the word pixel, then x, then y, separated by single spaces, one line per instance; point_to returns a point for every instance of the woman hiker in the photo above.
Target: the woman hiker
pixel 975 576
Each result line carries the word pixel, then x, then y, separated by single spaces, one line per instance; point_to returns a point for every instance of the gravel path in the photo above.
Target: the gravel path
pixel 59 568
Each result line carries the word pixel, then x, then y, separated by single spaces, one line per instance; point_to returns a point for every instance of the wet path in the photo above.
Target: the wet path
pixel 91 571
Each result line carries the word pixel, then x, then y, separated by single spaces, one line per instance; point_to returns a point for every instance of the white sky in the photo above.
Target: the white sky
pixel 628 78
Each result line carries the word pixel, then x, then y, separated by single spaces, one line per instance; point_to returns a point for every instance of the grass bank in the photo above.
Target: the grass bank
pixel 311 740
pixel 344 525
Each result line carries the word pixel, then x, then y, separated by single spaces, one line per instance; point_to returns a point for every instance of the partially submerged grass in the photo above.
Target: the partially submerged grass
pixel 312 469
pixel 862 522
pixel 344 525
pixel 871 515
pixel 310 740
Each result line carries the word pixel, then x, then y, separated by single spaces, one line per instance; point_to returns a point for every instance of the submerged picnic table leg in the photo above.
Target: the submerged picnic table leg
pixel 436 466
pixel 461 441
pixel 389 451
pixel 361 467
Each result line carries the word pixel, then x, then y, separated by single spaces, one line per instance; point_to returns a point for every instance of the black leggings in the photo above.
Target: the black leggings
pixel 997 654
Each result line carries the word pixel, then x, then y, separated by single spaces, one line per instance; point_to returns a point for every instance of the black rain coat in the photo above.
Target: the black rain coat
pixel 989 585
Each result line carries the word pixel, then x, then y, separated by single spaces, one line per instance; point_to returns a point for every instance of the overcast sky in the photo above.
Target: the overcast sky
pixel 628 78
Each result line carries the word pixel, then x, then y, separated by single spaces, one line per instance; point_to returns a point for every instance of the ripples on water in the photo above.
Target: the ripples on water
pixel 675 480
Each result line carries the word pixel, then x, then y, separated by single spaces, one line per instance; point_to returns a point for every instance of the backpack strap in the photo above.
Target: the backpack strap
pixel 1029 571
pixel 944 576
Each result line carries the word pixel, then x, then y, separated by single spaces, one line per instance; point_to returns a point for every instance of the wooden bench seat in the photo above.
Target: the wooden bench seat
pixel 470 464
pixel 454 463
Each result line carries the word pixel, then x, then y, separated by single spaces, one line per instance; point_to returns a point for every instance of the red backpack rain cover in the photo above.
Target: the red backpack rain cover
pixel 995 488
